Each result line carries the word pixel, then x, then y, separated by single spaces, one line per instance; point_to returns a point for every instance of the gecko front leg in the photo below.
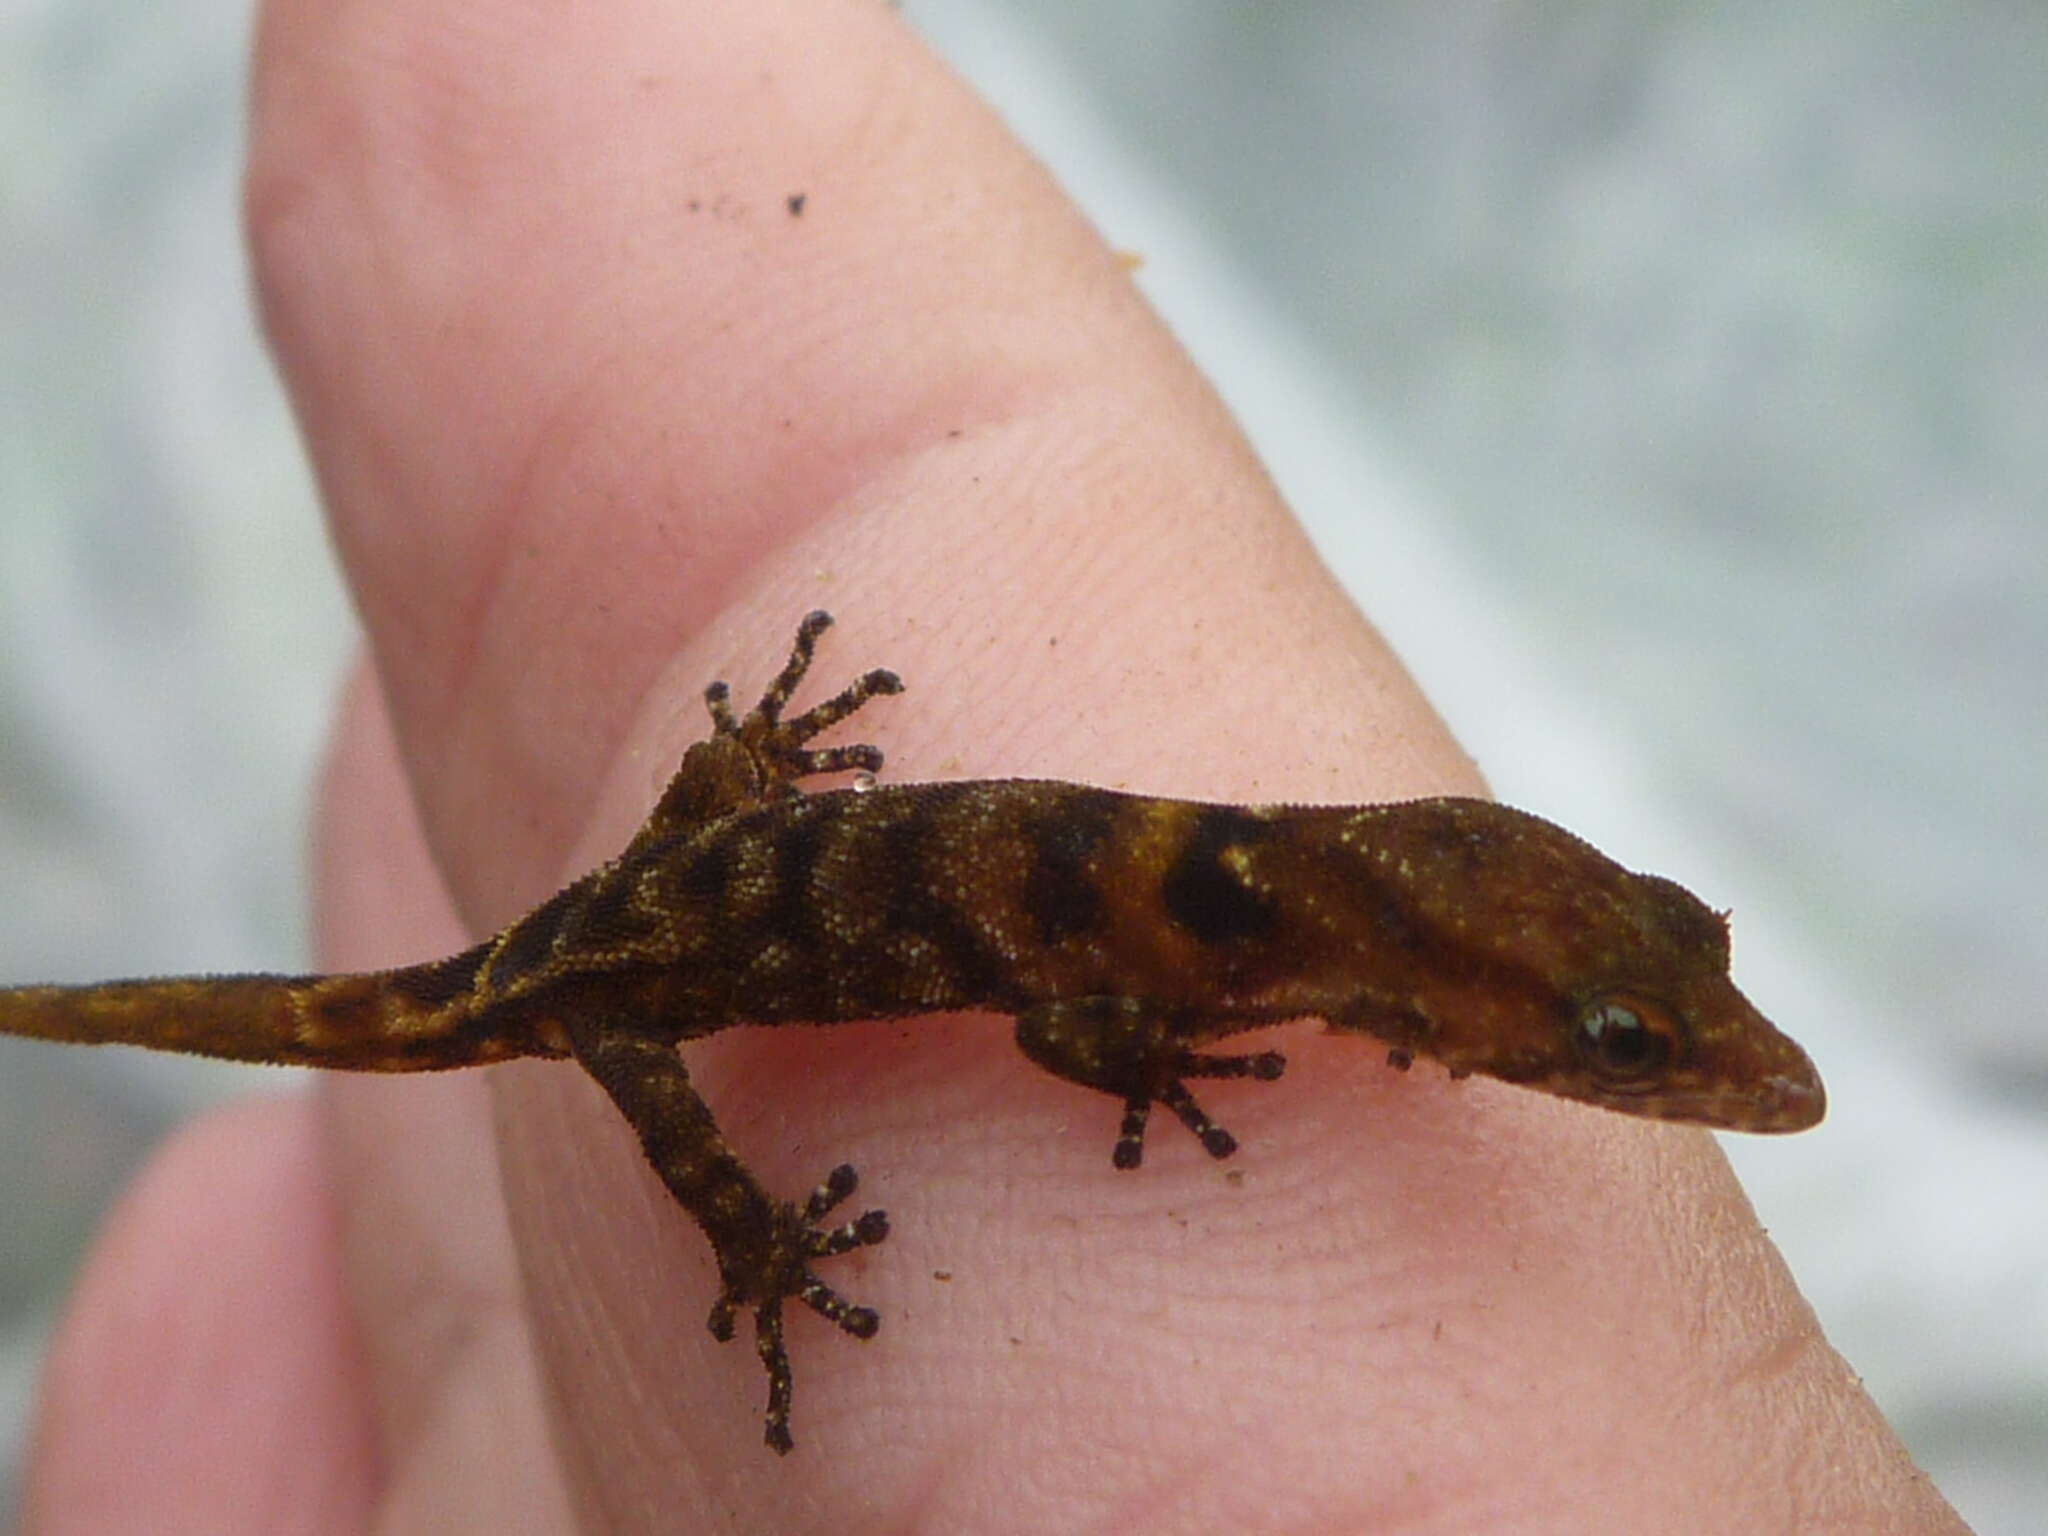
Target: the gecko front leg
pixel 1122 1046
pixel 764 1246
pixel 752 760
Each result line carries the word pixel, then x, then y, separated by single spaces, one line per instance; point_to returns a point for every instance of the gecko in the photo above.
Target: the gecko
pixel 1124 934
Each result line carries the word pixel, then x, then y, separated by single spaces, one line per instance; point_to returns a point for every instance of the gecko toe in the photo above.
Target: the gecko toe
pixel 1215 1141
pixel 833 1188
pixel 724 1316
pixel 861 1322
pixel 865 1230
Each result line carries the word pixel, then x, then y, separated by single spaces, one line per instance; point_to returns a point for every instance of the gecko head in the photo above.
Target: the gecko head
pixel 1645 1019
pixel 1707 1059
pixel 1542 962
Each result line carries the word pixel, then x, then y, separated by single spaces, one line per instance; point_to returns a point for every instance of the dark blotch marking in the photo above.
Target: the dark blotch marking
pixel 1060 896
pixel 1208 900
pixel 792 912
pixel 471 1041
pixel 440 982
pixel 974 969
pixel 613 915
pixel 1398 925
pixel 1394 922
pixel 361 1007
pixel 703 880
pixel 528 949
pixel 353 1005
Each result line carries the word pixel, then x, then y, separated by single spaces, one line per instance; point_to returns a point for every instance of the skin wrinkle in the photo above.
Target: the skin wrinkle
pixel 893 445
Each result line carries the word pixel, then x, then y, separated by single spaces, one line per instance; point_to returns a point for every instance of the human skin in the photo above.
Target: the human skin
pixel 597 417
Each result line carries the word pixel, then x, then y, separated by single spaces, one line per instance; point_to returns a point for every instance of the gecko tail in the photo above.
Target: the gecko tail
pixel 417 1019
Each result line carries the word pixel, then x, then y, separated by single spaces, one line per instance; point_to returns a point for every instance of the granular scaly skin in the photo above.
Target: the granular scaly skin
pixel 1123 933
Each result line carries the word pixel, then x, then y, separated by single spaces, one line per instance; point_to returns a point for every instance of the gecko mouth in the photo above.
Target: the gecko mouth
pixel 1788 1103
pixel 1777 1105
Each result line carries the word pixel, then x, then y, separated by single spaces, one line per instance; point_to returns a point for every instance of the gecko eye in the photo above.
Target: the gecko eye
pixel 1625 1040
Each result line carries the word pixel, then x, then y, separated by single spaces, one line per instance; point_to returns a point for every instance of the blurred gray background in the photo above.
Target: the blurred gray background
pixel 1667 382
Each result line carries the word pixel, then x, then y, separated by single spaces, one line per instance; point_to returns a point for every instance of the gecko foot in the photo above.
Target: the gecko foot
pixel 767 1267
pixel 1263 1066
pixel 1126 1047
pixel 777 745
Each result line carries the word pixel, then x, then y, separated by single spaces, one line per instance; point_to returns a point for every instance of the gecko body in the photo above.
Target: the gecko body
pixel 1123 933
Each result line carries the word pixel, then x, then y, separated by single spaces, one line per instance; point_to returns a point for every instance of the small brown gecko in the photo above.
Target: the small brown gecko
pixel 1123 933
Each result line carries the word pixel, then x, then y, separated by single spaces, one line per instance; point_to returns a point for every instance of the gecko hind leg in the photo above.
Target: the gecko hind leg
pixel 764 1247
pixel 1118 1045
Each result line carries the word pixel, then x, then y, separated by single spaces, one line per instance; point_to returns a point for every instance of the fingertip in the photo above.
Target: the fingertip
pixel 204 1375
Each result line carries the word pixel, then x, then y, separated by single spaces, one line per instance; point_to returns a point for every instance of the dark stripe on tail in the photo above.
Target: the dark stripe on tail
pixel 411 1020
